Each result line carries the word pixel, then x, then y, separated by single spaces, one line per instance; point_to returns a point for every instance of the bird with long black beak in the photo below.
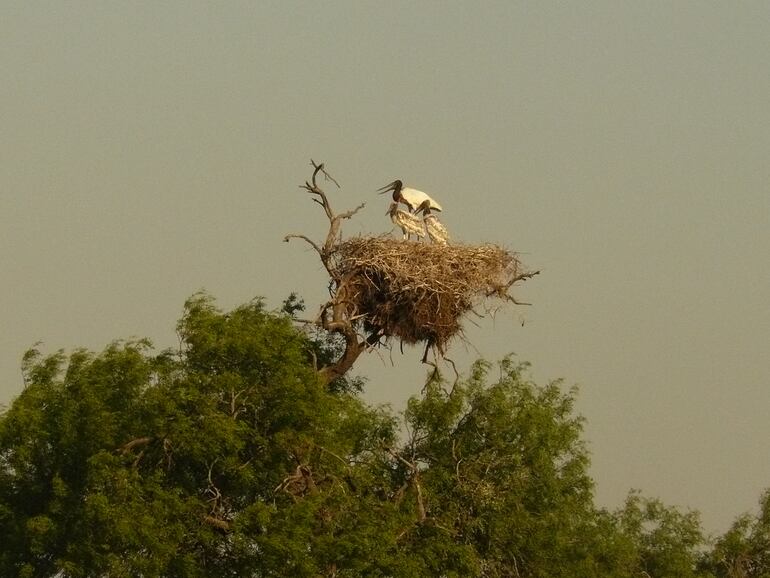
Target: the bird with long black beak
pixel 408 223
pixel 412 198
pixel 436 230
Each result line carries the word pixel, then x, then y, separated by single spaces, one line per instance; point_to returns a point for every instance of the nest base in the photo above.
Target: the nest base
pixel 419 292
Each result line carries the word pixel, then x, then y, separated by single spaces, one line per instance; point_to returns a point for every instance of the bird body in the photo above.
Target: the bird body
pixel 436 230
pixel 410 197
pixel 408 223
pixel 414 198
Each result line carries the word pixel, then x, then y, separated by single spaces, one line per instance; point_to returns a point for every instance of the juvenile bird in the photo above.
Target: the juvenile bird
pixel 408 223
pixel 436 230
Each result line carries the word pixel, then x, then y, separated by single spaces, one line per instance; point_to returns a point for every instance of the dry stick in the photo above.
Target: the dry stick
pixel 327 176
pixel 454 368
pixel 304 238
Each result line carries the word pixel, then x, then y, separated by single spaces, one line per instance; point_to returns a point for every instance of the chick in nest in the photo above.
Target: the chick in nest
pixel 436 230
pixel 408 223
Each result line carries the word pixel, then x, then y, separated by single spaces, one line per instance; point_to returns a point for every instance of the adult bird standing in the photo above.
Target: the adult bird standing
pixel 408 223
pixel 412 198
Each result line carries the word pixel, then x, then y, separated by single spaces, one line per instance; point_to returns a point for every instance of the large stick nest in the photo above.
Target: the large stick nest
pixel 419 291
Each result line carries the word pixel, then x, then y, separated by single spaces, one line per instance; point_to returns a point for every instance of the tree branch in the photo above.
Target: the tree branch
pixel 128 446
pixel 333 316
pixel 502 290
pixel 304 238
pixel 348 214
pixel 415 480
pixel 327 176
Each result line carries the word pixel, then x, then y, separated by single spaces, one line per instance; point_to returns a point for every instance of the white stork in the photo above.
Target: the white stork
pixel 408 223
pixel 412 198
pixel 436 230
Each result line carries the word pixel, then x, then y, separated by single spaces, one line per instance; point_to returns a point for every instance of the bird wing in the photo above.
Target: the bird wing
pixel 416 198
pixel 436 230
pixel 409 223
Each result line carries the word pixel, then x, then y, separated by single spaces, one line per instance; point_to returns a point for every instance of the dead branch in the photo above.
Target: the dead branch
pixel 304 238
pixel 327 176
pixel 334 316
pixel 335 221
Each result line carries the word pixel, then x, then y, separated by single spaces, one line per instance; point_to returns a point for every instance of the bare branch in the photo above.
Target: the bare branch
pixel 454 368
pixel 327 176
pixel 348 214
pixel 523 276
pixel 317 169
pixel 304 238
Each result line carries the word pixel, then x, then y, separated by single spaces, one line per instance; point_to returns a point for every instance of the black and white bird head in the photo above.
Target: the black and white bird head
pixel 395 186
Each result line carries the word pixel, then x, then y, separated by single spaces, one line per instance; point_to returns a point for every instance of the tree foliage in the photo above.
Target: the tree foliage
pixel 231 457
pixel 744 550
pixel 661 541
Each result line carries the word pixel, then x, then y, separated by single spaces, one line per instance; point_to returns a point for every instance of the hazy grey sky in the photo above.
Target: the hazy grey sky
pixel 149 150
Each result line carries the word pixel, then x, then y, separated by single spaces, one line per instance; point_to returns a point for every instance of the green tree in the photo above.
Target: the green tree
pixel 231 456
pixel 222 459
pixel 660 540
pixel 498 476
pixel 744 550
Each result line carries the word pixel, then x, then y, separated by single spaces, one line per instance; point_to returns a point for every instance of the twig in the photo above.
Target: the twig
pixel 304 238
pixel 327 176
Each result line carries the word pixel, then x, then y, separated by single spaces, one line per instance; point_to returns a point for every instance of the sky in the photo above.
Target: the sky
pixel 152 150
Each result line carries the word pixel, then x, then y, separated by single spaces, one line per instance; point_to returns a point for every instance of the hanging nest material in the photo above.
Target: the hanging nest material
pixel 419 292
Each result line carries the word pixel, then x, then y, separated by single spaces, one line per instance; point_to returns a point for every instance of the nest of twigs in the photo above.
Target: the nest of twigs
pixel 419 292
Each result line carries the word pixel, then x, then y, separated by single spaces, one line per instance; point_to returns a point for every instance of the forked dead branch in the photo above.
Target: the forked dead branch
pixel 383 288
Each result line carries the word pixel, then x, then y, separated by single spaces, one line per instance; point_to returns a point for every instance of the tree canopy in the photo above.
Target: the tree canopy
pixel 231 456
